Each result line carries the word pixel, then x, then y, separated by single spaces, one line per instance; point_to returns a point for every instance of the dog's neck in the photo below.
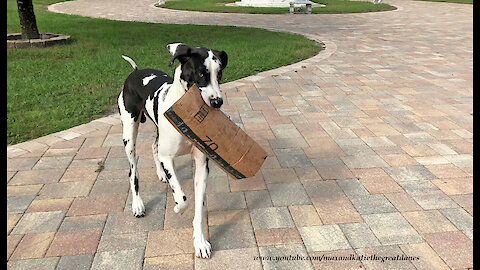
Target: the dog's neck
pixel 178 82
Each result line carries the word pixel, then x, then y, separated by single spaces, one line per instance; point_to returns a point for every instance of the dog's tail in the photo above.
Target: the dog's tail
pixel 128 59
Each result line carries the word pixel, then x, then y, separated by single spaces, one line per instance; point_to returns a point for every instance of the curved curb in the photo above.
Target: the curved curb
pixel 14 41
pixel 53 8
pixel 313 14
pixel 329 48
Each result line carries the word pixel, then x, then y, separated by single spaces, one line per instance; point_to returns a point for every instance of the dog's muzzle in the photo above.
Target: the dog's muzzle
pixel 216 102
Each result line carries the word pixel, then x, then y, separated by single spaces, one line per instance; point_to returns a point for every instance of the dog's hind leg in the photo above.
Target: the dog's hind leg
pixel 130 131
pixel 201 245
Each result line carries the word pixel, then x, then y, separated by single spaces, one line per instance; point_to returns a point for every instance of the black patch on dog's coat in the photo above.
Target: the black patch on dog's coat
pixel 164 94
pixel 167 173
pixel 135 93
pixel 155 108
pixel 182 52
pixel 136 184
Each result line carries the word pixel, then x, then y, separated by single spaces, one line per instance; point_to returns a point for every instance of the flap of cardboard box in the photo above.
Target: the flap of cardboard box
pixel 216 135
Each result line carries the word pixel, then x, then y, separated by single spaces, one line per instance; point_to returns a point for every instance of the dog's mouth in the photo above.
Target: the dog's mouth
pixel 210 97
pixel 216 103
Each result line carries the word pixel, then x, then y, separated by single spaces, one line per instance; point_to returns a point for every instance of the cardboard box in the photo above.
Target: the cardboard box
pixel 212 132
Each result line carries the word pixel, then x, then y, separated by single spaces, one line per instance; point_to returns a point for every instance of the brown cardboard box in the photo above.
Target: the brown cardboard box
pixel 216 135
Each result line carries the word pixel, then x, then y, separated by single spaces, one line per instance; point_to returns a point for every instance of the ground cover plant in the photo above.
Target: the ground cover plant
pixel 55 88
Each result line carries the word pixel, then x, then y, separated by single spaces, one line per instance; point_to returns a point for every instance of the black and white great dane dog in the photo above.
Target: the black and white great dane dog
pixel 150 92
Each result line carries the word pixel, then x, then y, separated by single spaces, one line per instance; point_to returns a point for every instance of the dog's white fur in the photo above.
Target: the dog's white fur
pixel 173 144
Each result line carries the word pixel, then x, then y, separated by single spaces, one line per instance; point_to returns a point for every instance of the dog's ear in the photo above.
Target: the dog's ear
pixel 179 51
pixel 223 58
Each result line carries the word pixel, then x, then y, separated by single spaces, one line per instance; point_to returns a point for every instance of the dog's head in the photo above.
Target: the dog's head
pixel 203 67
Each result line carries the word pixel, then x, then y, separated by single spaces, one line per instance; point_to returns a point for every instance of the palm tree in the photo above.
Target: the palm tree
pixel 27 19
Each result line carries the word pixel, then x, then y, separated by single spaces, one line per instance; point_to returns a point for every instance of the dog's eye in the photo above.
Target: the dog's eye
pixel 201 75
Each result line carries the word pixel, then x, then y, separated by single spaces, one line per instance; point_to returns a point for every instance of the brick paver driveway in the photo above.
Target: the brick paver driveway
pixel 370 153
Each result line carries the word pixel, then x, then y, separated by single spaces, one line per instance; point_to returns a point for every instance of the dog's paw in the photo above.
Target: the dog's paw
pixel 138 208
pixel 180 207
pixel 202 247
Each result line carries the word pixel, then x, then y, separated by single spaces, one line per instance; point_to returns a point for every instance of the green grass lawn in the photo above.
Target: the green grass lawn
pixel 55 88
pixel 332 6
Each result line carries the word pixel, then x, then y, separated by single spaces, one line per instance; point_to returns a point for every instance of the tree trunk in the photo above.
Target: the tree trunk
pixel 27 19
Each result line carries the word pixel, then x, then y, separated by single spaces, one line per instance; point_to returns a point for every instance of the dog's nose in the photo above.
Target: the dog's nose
pixel 216 102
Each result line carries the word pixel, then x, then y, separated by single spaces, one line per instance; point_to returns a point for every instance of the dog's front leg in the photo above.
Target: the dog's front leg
pixel 160 170
pixel 181 203
pixel 201 245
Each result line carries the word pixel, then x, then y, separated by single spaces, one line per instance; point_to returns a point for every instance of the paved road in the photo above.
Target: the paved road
pixel 370 153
